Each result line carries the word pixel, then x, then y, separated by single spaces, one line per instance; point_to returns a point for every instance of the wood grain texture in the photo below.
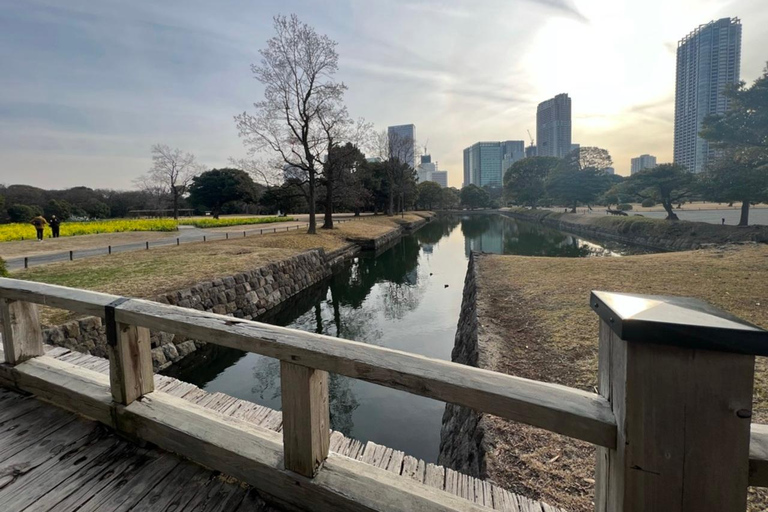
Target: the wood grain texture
pixel 130 362
pixel 683 426
pixel 306 417
pixel 22 333
pixel 568 411
pixel 72 299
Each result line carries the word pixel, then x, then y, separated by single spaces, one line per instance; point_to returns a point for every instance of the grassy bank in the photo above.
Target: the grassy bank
pixel 537 324
pixel 700 233
pixel 148 274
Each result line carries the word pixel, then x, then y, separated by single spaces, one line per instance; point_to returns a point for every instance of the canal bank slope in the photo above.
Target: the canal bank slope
pixel 244 278
pixel 634 229
pixel 529 317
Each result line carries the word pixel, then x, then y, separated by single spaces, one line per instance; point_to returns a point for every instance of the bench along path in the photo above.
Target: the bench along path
pixel 53 460
pixel 473 489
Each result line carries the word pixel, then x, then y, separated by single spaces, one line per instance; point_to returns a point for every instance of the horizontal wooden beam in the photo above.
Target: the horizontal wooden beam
pixel 237 448
pixel 571 412
pixel 72 299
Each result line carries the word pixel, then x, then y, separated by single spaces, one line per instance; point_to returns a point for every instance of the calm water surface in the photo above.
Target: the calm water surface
pixel 407 298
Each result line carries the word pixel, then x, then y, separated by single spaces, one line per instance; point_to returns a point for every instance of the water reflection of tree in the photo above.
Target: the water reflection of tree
pixel 436 230
pixel 533 240
pixel 472 226
pixel 341 397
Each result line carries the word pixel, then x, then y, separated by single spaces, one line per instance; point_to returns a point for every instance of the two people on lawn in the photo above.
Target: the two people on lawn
pixel 39 222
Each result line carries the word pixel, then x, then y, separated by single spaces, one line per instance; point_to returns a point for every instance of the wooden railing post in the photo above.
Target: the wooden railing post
pixel 306 417
pixel 22 334
pixel 130 358
pixel 679 375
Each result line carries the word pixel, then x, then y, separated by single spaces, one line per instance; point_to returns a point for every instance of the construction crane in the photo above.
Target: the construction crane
pixel 530 137
pixel 425 147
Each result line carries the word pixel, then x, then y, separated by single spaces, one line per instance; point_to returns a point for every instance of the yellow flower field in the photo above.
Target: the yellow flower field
pixel 210 222
pixel 19 231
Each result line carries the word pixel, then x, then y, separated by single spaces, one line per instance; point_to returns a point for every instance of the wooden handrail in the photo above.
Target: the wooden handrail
pixel 571 412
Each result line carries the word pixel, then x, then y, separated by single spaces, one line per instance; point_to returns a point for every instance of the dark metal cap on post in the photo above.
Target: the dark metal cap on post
pixel 678 321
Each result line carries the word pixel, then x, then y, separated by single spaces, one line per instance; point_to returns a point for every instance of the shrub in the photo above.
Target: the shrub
pixel 624 207
pixel 23 213
pixel 3 268
pixel 647 203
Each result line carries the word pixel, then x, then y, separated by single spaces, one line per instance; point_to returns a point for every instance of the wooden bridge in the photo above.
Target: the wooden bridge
pixel 672 419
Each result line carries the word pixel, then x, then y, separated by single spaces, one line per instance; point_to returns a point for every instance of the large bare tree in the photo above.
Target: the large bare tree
pixel 396 153
pixel 171 173
pixel 302 101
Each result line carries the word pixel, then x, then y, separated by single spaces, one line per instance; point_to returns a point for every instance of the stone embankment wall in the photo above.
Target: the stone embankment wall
pixel 649 233
pixel 462 434
pixel 244 295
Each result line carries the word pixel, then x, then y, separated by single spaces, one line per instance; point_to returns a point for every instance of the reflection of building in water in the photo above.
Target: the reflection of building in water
pixel 491 240
pixel 428 248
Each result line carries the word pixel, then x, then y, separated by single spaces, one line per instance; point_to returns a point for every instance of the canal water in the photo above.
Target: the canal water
pixel 407 298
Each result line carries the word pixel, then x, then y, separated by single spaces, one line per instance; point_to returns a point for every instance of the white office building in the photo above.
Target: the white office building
pixel 643 162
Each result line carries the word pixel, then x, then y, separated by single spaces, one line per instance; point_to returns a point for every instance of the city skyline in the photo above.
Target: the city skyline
pixel 90 87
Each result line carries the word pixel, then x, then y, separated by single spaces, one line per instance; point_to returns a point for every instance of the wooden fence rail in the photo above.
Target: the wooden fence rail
pixel 673 412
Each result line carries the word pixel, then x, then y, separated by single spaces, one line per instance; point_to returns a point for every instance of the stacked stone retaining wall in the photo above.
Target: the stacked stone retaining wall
pixel 246 295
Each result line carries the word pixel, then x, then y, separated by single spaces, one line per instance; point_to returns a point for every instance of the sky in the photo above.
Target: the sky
pixel 87 87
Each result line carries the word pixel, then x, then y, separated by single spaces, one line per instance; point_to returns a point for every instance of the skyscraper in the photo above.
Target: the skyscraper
pixel 643 162
pixel 402 140
pixel 553 126
pixel 484 161
pixel 708 59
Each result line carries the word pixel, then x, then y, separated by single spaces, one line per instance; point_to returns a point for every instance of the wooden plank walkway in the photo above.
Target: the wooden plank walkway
pixel 473 489
pixel 53 460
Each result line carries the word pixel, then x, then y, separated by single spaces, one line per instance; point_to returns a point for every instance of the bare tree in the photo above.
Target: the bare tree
pixel 396 153
pixel 301 100
pixel 171 173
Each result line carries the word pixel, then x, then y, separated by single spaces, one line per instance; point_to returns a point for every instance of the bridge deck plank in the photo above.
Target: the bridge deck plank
pixel 77 464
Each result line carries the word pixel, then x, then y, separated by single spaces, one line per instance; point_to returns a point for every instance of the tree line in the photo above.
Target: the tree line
pixel 737 172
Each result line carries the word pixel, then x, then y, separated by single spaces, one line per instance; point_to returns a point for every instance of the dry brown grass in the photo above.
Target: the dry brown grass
pixel 537 324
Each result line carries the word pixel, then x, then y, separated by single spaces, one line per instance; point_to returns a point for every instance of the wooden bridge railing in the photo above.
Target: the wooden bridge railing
pixel 671 420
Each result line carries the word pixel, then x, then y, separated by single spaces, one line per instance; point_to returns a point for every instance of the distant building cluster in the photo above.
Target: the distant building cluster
pixel 486 162
pixel 402 140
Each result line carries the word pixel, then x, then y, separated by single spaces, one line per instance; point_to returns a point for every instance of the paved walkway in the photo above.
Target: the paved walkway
pixel 186 234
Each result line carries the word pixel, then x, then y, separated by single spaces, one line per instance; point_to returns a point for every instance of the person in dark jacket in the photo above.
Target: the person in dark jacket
pixel 39 222
pixel 55 224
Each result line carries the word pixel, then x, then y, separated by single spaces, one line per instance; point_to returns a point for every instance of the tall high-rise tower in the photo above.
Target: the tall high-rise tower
pixel 553 127
pixel 708 59
pixel 402 140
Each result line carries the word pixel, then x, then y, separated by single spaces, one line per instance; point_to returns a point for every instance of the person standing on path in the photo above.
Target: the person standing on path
pixel 39 222
pixel 55 224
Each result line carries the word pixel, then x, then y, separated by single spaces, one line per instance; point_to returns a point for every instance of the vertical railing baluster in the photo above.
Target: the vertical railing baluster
pixel 22 333
pixel 306 417
pixel 130 358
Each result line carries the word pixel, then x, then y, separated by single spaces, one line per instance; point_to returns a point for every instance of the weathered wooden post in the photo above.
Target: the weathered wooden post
pixel 22 334
pixel 130 358
pixel 306 417
pixel 679 375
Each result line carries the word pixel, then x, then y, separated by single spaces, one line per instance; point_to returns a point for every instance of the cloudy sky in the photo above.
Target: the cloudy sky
pixel 88 86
